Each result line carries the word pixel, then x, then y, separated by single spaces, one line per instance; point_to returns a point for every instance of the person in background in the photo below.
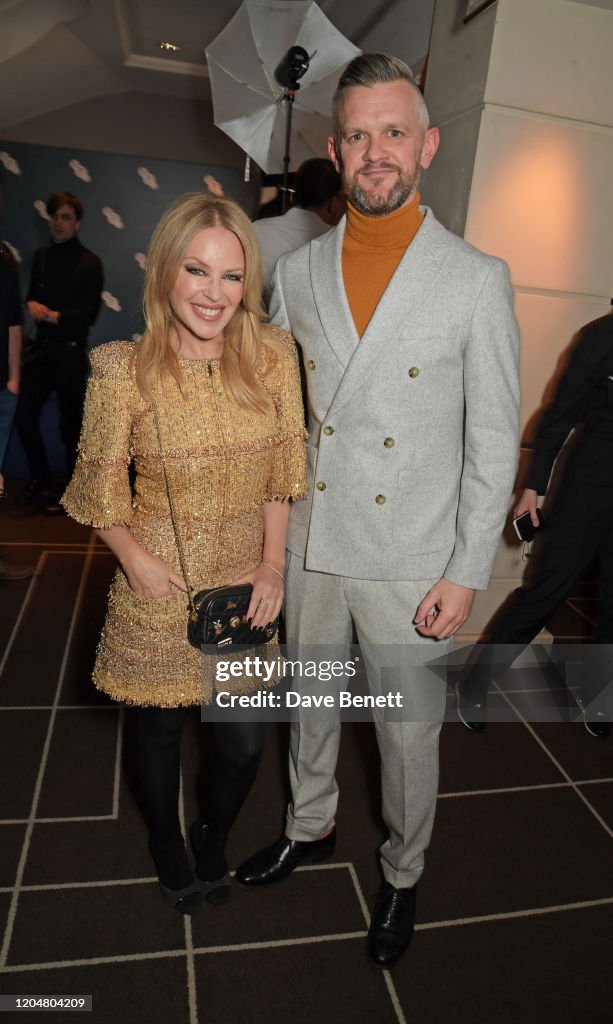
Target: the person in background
pixel 11 318
pixel 318 206
pixel 210 396
pixel 63 300
pixel 11 337
pixel 578 530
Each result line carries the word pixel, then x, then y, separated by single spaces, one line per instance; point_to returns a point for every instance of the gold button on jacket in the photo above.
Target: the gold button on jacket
pixel 328 431
pixel 311 364
pixel 380 499
pixel 389 442
pixel 321 485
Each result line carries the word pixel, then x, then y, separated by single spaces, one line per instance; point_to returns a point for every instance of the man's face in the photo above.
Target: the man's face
pixel 63 224
pixel 383 146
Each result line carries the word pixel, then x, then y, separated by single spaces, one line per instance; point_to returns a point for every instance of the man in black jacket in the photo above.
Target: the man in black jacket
pixel 63 300
pixel 579 529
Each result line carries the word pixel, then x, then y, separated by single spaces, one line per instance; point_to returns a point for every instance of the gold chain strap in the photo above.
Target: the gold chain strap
pixel 173 517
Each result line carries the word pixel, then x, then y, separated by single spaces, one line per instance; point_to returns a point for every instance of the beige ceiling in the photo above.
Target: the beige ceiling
pixel 55 53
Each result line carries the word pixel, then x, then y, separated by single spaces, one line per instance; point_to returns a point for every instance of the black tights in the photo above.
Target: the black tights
pixel 238 748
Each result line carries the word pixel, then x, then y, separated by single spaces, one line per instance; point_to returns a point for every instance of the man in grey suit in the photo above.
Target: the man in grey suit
pixel 410 347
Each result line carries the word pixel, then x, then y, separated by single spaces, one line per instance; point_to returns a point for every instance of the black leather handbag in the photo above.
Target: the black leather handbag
pixel 217 617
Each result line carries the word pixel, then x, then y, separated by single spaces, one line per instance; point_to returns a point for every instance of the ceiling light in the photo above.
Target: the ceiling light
pixel 170 47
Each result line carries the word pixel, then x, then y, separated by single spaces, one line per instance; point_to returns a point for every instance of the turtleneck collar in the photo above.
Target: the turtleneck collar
pixel 378 232
pixel 68 246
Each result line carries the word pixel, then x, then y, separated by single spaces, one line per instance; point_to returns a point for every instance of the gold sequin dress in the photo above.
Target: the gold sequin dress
pixel 223 463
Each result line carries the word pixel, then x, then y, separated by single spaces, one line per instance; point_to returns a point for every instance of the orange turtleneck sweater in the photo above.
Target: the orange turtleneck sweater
pixel 372 249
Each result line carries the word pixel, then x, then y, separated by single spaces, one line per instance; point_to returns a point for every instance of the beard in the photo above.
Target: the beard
pixel 375 203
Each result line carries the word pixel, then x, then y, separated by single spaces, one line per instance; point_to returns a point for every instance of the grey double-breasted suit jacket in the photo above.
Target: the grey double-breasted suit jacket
pixel 413 428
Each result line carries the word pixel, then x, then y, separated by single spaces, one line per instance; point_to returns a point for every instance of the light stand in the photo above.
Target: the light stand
pixel 293 66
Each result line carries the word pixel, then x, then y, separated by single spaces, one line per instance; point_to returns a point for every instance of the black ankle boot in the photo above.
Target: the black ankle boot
pixel 211 864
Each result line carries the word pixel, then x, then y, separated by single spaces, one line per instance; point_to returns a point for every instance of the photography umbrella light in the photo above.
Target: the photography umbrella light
pixel 263 53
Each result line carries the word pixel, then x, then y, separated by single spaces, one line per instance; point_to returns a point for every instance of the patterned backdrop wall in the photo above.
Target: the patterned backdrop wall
pixel 123 198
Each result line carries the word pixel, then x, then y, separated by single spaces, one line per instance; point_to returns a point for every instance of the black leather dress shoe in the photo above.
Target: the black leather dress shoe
pixel 278 861
pixel 471 714
pixel 392 924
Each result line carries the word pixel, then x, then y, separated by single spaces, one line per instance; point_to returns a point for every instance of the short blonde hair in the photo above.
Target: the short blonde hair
pixel 155 355
pixel 368 69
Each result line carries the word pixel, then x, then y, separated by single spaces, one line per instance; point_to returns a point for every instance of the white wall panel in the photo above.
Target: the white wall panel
pixel 458 61
pixel 553 56
pixel 542 199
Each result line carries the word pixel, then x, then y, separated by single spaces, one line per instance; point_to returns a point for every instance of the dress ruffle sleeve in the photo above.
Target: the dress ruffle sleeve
pixel 287 479
pixel 99 492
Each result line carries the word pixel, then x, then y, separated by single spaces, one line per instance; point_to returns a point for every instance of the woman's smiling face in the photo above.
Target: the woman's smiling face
pixel 207 292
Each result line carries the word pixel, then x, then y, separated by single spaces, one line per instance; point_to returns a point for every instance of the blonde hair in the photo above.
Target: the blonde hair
pixel 243 340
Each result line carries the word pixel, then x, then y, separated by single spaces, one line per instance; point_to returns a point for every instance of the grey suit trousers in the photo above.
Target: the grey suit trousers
pixel 320 610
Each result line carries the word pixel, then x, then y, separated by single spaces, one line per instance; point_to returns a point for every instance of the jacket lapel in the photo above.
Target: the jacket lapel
pixel 408 289
pixel 329 294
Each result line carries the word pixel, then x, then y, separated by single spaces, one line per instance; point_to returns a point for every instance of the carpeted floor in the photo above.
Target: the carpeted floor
pixel 515 909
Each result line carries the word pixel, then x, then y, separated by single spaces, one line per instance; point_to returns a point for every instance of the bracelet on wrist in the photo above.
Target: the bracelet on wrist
pixel 280 574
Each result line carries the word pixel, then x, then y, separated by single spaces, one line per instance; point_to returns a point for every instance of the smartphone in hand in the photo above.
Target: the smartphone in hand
pixel 525 528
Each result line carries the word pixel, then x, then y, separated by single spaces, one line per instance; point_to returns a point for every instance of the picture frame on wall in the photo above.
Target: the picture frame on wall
pixel 474 7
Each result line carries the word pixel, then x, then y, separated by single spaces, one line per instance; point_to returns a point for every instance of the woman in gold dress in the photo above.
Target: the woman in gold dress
pixel 226 393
